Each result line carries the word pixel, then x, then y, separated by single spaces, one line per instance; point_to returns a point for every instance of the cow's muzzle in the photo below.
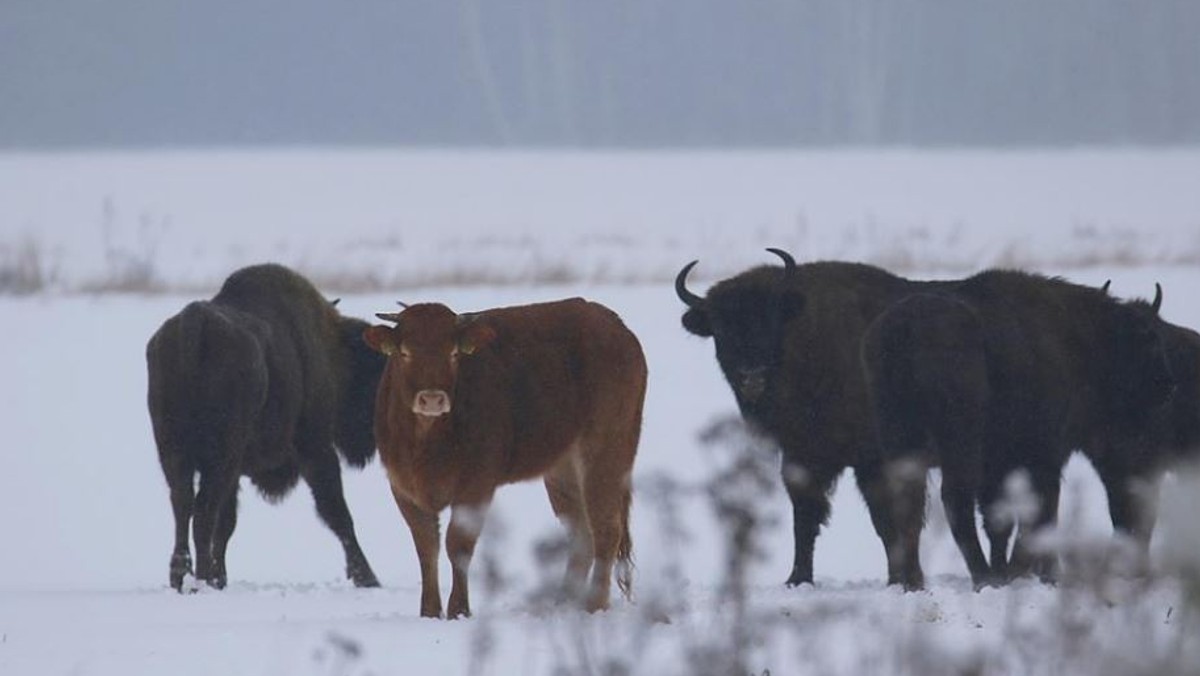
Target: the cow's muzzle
pixel 431 403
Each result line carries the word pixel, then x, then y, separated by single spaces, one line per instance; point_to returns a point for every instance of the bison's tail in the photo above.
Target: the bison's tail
pixel 625 550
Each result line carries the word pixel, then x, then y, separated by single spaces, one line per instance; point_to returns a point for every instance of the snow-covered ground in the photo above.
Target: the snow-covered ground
pixel 84 516
pixel 386 219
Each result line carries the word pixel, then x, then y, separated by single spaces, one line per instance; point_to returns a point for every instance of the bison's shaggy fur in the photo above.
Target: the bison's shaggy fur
pixel 790 342
pixel 1004 371
pixel 265 380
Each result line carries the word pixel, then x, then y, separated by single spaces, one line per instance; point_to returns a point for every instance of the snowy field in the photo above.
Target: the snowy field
pixel 84 515
pixel 381 220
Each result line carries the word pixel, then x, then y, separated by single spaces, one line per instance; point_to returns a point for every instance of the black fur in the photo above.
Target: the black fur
pixel 791 348
pixel 998 372
pixel 1131 461
pixel 264 381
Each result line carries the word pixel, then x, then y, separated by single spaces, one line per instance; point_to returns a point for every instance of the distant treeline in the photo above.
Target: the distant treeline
pixel 618 73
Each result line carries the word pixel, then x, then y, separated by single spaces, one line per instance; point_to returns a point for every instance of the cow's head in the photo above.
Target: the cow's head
pixel 1142 366
pixel 746 316
pixel 424 349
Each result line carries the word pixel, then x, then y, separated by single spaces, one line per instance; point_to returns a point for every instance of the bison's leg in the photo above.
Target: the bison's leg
pixel 466 523
pixel 999 524
pixel 808 489
pixel 216 485
pixel 958 498
pixel 565 490
pixel 226 523
pixel 906 478
pixel 960 448
pixel 324 478
pixel 1132 499
pixel 181 480
pixel 1028 558
pixel 425 532
pixel 872 483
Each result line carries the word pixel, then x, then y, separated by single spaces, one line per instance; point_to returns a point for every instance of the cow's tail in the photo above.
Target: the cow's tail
pixel 625 550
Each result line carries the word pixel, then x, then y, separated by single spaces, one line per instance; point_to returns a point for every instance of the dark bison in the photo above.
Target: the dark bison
pixel 787 340
pixel 470 402
pixel 1131 462
pixel 999 372
pixel 265 381
pixel 790 343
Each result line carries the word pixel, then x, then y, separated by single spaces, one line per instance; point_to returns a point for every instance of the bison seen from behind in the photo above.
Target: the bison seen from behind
pixel 999 372
pixel 470 402
pixel 265 380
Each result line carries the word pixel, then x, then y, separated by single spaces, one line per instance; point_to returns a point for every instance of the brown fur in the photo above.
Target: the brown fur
pixel 553 390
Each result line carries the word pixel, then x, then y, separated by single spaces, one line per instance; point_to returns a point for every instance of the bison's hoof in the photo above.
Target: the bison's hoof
pixel 181 567
pixel 798 580
pixel 363 578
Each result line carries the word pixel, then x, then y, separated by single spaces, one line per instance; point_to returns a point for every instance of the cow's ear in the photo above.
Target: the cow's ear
pixel 695 320
pixel 380 339
pixel 475 336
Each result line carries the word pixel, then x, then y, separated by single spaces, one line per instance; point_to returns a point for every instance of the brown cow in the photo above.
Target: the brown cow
pixel 470 402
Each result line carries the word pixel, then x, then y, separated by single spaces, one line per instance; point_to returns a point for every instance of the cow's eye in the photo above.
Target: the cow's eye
pixel 405 354
pixel 453 353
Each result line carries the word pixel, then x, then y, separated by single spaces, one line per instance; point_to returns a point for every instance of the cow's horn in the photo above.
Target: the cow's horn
pixel 789 263
pixel 1157 298
pixel 389 316
pixel 689 299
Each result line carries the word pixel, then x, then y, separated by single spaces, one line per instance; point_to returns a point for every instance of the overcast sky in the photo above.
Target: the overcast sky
pixel 619 73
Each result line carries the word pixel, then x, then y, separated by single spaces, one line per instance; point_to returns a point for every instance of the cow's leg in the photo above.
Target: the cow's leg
pixel 564 487
pixel 808 489
pixel 606 493
pixel 216 485
pixel 226 523
pixel 324 477
pixel 181 481
pixel 466 523
pixel 426 536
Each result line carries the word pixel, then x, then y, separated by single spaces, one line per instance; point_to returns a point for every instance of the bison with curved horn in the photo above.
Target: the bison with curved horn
pixel 1131 462
pixel 793 345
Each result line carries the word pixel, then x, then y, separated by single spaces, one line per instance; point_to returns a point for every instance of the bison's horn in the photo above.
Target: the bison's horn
pixel 334 302
pixel 789 263
pixel 1157 298
pixel 689 299
pixel 1104 289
